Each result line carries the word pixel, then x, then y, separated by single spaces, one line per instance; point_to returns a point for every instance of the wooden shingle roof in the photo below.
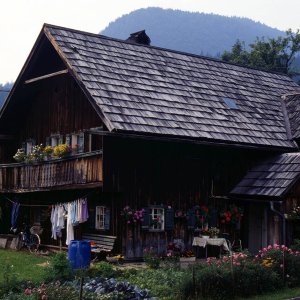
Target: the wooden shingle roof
pixel 292 102
pixel 272 178
pixel 153 91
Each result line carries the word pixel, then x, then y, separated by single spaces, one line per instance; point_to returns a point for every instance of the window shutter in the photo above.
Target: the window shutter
pixel 81 142
pixel 191 220
pixel 48 141
pixel 60 139
pixel 92 218
pixel 146 219
pixel 213 218
pixel 68 140
pixel 169 218
pixel 107 219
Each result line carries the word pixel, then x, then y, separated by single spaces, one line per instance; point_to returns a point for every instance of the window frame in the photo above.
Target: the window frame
pixel 100 210
pixel 154 212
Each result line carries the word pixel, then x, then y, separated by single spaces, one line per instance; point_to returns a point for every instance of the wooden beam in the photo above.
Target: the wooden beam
pixel 46 76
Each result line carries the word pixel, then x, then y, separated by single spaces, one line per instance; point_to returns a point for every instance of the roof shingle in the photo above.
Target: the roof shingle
pixel 272 178
pixel 156 91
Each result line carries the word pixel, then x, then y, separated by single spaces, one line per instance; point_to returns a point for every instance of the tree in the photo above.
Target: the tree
pixel 274 54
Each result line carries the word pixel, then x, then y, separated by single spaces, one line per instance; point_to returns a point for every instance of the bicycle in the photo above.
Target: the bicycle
pixel 29 238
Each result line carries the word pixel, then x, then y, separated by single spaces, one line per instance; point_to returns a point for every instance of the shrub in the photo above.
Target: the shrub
pixel 59 267
pixel 152 260
pixel 9 276
pixel 104 269
pixel 282 260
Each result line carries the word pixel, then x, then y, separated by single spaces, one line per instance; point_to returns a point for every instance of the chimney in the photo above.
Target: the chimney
pixel 139 37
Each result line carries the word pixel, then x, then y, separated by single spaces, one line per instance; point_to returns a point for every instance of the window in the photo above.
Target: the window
pixel 75 141
pixel 100 217
pixel 29 145
pixel 157 217
pixel 55 140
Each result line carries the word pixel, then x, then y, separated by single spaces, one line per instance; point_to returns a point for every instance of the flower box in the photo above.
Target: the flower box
pixel 187 259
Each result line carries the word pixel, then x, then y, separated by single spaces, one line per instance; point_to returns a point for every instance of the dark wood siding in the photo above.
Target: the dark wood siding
pixel 144 173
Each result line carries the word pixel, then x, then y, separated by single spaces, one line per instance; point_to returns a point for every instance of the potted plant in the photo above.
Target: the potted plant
pixel 213 232
pixel 205 233
pixel 61 150
pixel 48 150
pixel 187 256
pixel 20 155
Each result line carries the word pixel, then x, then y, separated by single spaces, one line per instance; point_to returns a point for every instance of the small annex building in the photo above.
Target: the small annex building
pixel 160 143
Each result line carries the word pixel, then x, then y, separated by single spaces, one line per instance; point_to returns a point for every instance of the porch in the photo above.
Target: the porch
pixel 73 172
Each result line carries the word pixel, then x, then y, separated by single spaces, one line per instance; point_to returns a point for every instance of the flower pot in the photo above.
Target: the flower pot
pixel 205 236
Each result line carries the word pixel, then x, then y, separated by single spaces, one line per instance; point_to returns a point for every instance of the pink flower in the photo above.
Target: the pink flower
pixel 130 212
pixel 28 292
pixel 269 247
pixel 128 222
pixel 142 220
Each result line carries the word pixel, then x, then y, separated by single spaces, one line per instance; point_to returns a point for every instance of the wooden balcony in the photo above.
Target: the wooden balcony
pixel 74 172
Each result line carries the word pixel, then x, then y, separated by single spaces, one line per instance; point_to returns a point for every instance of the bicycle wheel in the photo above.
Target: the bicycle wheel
pixel 34 243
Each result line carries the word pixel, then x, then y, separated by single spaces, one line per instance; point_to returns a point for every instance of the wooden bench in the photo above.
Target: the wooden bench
pixel 102 243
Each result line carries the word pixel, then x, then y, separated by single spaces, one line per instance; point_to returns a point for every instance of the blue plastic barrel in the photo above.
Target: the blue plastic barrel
pixel 79 254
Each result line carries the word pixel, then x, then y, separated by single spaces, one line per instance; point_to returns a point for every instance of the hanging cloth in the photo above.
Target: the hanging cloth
pixel 53 219
pixel 70 229
pixel 84 210
pixel 14 215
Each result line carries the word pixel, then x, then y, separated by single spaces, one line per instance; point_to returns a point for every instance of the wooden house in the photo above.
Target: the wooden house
pixel 162 132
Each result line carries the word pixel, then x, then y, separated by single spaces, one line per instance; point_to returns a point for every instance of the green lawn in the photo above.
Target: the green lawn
pixel 23 264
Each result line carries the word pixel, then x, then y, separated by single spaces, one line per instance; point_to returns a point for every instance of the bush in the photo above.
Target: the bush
pixel 9 276
pixel 104 269
pixel 219 279
pixel 152 260
pixel 59 267
pixel 282 260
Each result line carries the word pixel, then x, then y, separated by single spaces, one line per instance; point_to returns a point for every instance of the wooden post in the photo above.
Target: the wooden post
pixel 81 287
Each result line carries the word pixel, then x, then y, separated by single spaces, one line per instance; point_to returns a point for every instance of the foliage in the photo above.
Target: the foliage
pixel 59 267
pixel 104 269
pixel 282 260
pixel 213 231
pixel 201 215
pixel 9 278
pixel 48 150
pixel 219 279
pixel 132 216
pixel 37 153
pixel 273 54
pixel 61 150
pixel 20 155
pixel 163 283
pixel 296 245
pixel 194 31
pixel 232 215
pixel 151 258
pixel 294 214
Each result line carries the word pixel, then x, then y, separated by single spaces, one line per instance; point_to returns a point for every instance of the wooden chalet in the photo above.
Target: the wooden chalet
pixel 158 130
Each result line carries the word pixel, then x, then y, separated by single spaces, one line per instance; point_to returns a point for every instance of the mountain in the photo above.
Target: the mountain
pixel 198 33
pixel 4 89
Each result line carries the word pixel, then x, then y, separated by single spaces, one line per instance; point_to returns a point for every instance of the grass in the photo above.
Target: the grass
pixel 25 265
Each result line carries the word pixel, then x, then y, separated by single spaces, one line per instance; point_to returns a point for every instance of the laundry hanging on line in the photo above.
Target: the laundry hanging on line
pixel 75 212
pixel 14 215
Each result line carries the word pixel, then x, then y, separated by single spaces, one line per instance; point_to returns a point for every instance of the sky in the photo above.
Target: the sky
pixel 22 20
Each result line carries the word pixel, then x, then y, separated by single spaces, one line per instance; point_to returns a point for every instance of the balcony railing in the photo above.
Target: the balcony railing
pixel 78 171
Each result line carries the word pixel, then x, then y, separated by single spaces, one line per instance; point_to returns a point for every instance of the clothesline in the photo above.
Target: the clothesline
pixel 42 205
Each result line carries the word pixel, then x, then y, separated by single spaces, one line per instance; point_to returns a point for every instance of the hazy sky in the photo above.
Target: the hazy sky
pixel 21 20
